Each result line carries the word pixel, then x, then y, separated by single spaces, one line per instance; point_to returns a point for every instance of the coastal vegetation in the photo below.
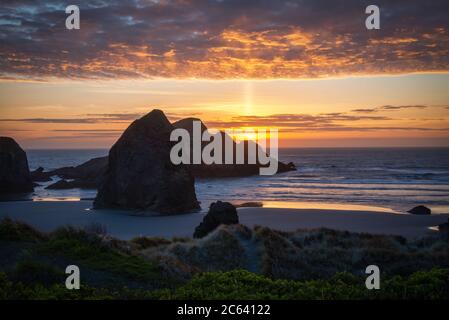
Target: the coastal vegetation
pixel 233 262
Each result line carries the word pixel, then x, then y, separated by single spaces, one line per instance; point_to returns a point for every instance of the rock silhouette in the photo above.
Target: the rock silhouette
pixel 420 210
pixel 219 213
pixel 61 185
pixel 14 170
pixel 225 170
pixel 39 175
pixel 444 227
pixel 91 173
pixel 140 174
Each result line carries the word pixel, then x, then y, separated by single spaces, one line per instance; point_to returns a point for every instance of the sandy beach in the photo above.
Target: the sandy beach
pixel 47 216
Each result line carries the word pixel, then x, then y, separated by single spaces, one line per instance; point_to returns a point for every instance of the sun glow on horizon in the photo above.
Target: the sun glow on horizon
pixel 375 111
pixel 249 93
pixel 250 133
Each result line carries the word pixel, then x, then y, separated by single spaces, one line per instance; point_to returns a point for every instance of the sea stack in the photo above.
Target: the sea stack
pixel 225 170
pixel 140 174
pixel 14 171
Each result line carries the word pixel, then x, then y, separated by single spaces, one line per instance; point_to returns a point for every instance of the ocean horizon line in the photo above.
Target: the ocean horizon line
pixel 281 148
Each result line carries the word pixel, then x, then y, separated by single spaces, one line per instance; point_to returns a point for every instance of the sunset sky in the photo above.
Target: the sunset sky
pixel 309 68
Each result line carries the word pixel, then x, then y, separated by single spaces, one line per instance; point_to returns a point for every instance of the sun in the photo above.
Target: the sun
pixel 249 133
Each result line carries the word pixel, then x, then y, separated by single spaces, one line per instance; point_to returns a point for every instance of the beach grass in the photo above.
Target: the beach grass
pixel 307 264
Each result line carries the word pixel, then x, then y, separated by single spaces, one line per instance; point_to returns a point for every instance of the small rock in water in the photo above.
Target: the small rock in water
pixel 249 205
pixel 219 213
pixel 444 227
pixel 39 175
pixel 420 210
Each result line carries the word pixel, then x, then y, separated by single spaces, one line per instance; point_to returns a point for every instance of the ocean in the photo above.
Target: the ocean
pixel 389 179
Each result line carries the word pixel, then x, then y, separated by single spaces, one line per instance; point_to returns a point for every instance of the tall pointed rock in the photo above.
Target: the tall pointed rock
pixel 140 174
pixel 14 171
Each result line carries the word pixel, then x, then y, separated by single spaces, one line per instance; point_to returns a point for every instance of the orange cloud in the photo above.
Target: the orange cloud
pixel 222 40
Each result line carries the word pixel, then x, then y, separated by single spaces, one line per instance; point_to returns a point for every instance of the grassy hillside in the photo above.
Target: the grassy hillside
pixel 233 262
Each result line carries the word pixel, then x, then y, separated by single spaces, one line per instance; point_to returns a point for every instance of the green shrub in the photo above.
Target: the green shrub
pixel 149 242
pixel 30 271
pixel 11 230
pixel 88 249
pixel 241 285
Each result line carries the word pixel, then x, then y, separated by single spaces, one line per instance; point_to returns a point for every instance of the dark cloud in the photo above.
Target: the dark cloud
pixel 92 118
pixel 87 119
pixel 115 116
pixel 92 135
pixel 17 130
pixel 221 39
pixel 303 121
pixel 365 110
pixel 388 108
pixel 51 120
pixel 338 121
pixel 402 107
pixel 87 130
pixel 324 121
pixel 321 122
pixel 345 128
